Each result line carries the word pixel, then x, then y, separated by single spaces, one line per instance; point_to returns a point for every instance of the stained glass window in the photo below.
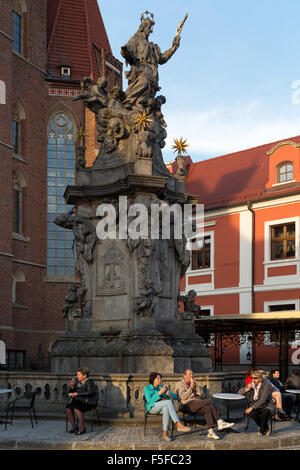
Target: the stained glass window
pixel 61 172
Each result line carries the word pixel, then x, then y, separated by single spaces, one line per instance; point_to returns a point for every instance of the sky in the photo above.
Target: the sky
pixel 234 82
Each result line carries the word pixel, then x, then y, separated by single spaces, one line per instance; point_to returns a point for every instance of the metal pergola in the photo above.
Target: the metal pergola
pixel 241 328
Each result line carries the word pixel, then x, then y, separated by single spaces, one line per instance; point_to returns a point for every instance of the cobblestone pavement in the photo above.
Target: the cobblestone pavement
pixel 51 434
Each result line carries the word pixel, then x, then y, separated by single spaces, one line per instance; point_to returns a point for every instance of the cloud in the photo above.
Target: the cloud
pixel 222 130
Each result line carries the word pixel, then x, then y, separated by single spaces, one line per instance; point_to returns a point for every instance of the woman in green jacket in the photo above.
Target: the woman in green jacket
pixel 159 401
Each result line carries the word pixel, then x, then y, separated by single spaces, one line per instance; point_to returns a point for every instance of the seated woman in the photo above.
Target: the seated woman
pixel 83 397
pixel 276 394
pixel 249 373
pixel 159 401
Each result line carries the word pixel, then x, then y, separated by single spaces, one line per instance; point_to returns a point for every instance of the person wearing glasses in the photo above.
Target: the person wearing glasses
pixel 259 394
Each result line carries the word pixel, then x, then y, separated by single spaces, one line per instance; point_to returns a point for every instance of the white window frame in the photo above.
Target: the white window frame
pixel 268 304
pixel 190 273
pixel 211 308
pixel 269 263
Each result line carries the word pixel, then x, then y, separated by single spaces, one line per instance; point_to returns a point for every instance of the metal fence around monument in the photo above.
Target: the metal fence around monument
pixel 29 363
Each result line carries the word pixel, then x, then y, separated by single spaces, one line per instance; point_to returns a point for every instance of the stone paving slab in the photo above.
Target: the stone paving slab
pixel 50 434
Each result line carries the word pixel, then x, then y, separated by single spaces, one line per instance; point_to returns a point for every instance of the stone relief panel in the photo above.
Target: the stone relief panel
pixel 111 272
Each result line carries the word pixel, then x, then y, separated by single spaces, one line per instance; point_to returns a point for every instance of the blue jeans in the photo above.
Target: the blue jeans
pixel 166 408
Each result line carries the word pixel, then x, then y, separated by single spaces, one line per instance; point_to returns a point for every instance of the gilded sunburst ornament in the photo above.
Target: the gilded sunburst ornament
pixel 79 135
pixel 180 145
pixel 142 120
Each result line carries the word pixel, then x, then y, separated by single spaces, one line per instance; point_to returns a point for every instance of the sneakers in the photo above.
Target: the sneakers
pixel 212 435
pixel 223 425
pixel 167 438
pixel 183 429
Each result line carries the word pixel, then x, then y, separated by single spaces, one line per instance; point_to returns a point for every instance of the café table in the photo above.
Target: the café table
pixel 228 397
pixel 297 393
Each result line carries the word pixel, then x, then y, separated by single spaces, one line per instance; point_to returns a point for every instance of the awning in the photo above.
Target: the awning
pixel 239 323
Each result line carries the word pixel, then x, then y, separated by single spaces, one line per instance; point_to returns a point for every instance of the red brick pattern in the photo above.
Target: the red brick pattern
pixel 36 319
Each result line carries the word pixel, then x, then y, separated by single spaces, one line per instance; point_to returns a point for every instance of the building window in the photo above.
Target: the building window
pixel 18 128
pixel 283 244
pixel 18 211
pixel 285 172
pixel 18 286
pixel 2 92
pixel 61 172
pixel 15 359
pixel 16 31
pixel 274 336
pixel 16 136
pixel 201 259
pixel 208 338
pixel 65 72
pixel 18 184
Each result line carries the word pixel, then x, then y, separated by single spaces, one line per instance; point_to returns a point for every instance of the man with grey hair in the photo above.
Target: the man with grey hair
pixel 259 395
pixel 189 394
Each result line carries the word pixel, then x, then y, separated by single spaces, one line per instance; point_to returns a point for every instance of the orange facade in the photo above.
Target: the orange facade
pixel 253 230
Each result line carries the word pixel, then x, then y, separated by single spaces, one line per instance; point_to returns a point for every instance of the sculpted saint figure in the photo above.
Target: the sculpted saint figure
pixel 144 57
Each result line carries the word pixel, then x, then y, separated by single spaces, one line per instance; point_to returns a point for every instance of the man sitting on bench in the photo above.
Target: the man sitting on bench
pixel 190 396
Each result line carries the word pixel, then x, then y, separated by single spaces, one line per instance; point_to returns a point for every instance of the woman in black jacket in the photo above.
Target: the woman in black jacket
pixel 83 396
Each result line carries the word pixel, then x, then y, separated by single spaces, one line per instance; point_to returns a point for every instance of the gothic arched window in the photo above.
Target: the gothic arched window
pixel 18 128
pixel 19 10
pixel 19 183
pixel 18 286
pixel 61 172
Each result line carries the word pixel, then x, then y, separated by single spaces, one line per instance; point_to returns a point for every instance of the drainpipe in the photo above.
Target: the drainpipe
pixel 250 208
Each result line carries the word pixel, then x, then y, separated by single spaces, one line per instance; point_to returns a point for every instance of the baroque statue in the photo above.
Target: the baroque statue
pixel 131 124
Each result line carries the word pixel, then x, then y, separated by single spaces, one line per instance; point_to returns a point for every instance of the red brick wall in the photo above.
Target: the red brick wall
pixel 25 81
pixel 38 320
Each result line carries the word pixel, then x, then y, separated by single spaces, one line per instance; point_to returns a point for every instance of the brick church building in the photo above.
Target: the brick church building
pixel 46 48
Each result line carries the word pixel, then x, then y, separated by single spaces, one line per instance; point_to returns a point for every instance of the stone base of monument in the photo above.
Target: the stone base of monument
pixel 132 351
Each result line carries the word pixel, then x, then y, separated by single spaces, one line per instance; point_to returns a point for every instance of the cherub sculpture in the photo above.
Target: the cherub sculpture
pixel 189 303
pixel 145 305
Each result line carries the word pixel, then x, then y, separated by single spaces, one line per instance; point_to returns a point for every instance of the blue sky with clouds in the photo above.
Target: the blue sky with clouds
pixel 229 85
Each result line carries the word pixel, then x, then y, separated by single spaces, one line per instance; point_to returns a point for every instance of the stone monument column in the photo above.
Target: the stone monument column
pixel 123 316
